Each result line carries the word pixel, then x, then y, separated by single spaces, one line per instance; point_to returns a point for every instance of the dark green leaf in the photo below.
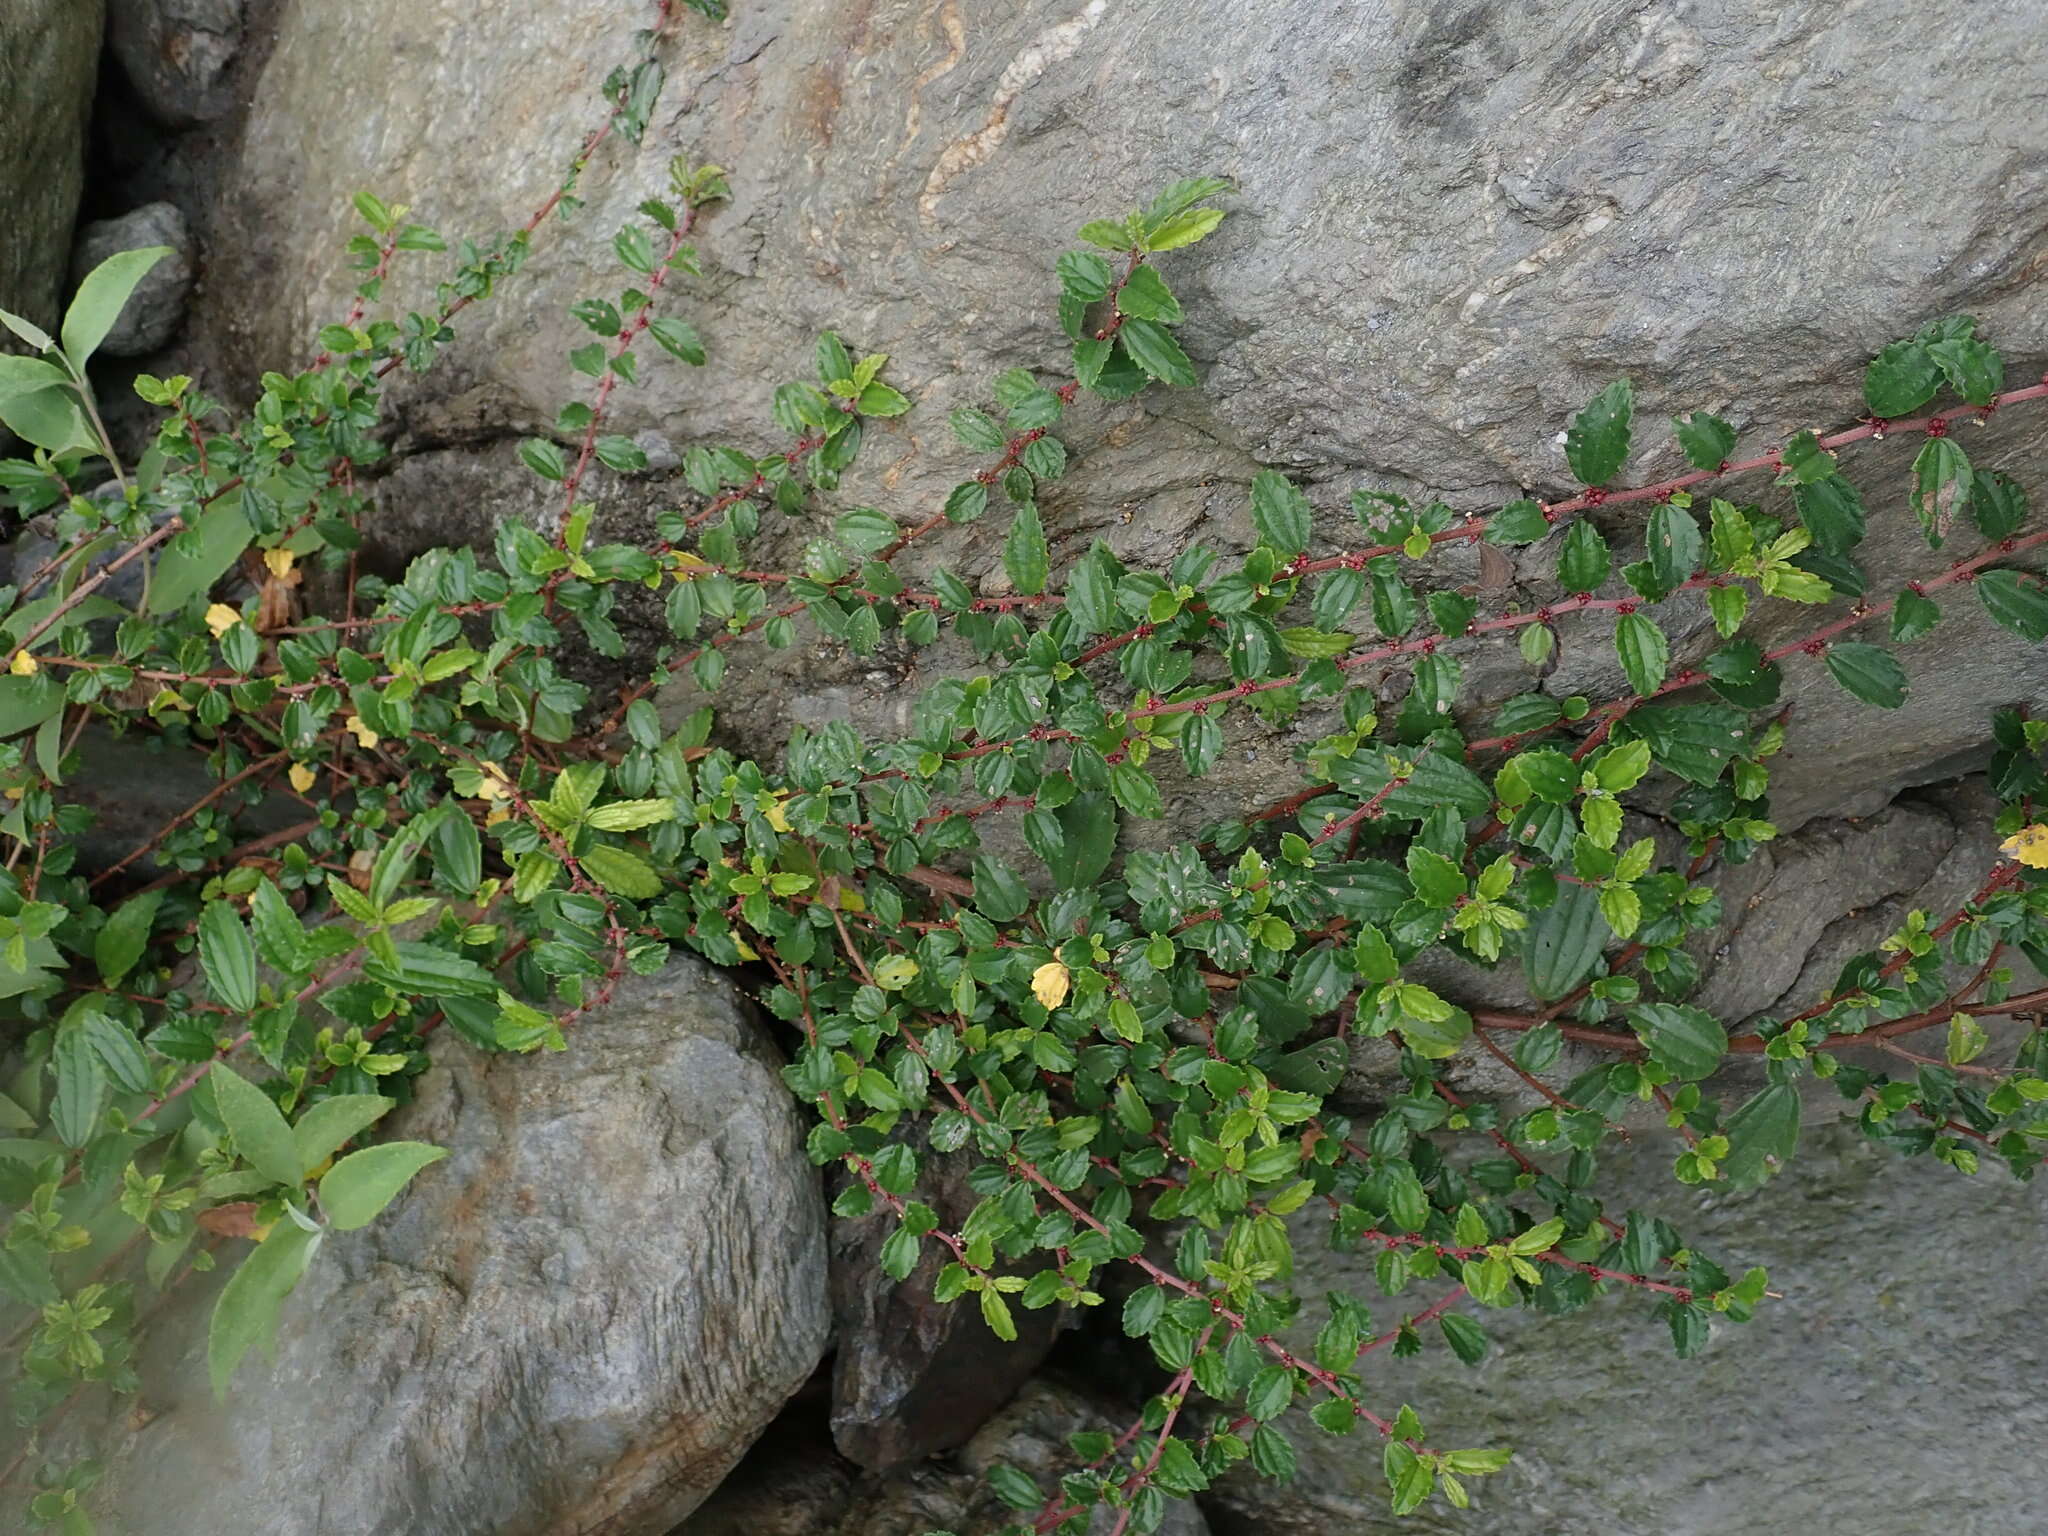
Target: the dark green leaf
pixel 1519 522
pixel 1764 1129
pixel 1973 370
pixel 1913 616
pixel 1832 513
pixel 1674 545
pixel 2015 599
pixel 1869 672
pixel 1280 512
pixel 121 940
pixel 1706 439
pixel 1644 652
pixel 1564 942
pixel 1584 562
pixel 1901 379
pixel 1596 444
pixel 1025 557
pixel 1153 349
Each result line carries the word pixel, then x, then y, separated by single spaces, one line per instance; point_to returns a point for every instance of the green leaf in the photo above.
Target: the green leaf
pixel 1584 562
pixel 1084 274
pixel 1690 1041
pixel 1596 443
pixel 1694 741
pixel 279 934
pixel 1183 229
pixel 1145 296
pixel 1337 593
pixel 1901 379
pixel 1153 349
pixel 228 957
pixel 996 1313
pixel 100 298
pixel 356 1189
pixel 2015 599
pixel 246 1314
pixel 1107 233
pixel 81 1084
pixel 1438 1039
pixel 1519 522
pixel 1998 503
pixel 1088 838
pixel 630 815
pixel 1913 616
pixel 1091 594
pixel 621 873
pixel 1645 654
pixel 1973 370
pixel 1832 512
pixel 1941 486
pixel 1766 1128
pixel 119 1052
pixel 194 561
pixel 1706 439
pixel 1675 545
pixel 866 530
pixel 1466 1338
pixel 976 429
pixel 323 1129
pixel 425 970
pixel 121 940
pixel 1270 1393
pixel 1803 460
pixel 1280 512
pixel 1025 557
pixel 1564 942
pixel 1869 672
pixel 544 459
pixel 261 1135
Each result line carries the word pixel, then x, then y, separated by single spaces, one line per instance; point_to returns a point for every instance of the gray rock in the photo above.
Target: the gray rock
pixel 154 310
pixel 176 53
pixel 49 58
pixel 1452 227
pixel 576 1323
pixel 910 1376
pixel 793 1486
pixel 1772 1428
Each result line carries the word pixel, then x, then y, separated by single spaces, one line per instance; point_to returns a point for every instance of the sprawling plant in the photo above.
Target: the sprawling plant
pixel 1130 1043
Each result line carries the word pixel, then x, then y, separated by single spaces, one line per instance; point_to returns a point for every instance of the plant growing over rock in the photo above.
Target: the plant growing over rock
pixel 1140 1045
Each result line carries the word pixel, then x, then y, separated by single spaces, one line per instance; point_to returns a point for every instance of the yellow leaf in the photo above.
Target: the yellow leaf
pixel 689 567
pixel 278 561
pixel 220 618
pixel 778 818
pixel 498 814
pixel 302 777
pixel 23 665
pixel 1049 984
pixel 2029 845
pixel 365 737
pixel 494 785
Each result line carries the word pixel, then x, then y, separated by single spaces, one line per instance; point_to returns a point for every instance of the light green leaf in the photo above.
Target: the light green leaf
pixel 194 562
pixel 120 942
pixel 356 1189
pixel 261 1135
pixel 100 298
pixel 246 1314
pixel 1280 512
pixel 322 1129
pixel 621 873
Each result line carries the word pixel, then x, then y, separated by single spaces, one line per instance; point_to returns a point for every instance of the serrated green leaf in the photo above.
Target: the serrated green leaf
pixel 1280 512
pixel 1869 672
pixel 1153 349
pixel 1025 556
pixel 1584 562
pixel 1675 545
pixel 119 944
pixel 228 957
pixel 1645 653
pixel 621 873
pixel 2016 600
pixel 1832 512
pixel 1973 370
pixel 1706 439
pixel 1900 379
pixel 1596 443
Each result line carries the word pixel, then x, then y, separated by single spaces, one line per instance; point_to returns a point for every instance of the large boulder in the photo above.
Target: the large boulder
pixel 49 60
pixel 576 1323
pixel 1452 225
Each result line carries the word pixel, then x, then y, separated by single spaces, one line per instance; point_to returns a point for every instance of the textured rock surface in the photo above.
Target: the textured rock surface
pixel 49 57
pixel 1885 1394
pixel 576 1323
pixel 1453 224
pixel 793 1485
pixel 176 54
pixel 153 311
pixel 910 1376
